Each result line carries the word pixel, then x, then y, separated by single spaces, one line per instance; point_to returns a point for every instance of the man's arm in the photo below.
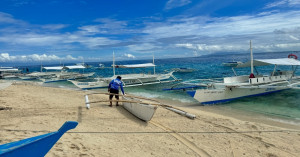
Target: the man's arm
pixel 122 88
pixel 110 85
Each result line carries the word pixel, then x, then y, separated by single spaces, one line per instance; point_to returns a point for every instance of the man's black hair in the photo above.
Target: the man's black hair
pixel 119 77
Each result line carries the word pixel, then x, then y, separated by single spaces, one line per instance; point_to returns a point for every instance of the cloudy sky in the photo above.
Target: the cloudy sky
pixel 90 30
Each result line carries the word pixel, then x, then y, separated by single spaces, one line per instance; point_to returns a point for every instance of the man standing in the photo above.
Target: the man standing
pixel 113 88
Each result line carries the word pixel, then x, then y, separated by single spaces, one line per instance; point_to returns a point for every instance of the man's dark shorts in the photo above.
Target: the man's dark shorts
pixel 114 91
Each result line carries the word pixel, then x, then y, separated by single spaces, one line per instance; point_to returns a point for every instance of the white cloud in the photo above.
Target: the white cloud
pixel 283 3
pixel 149 47
pixel 209 47
pixel 171 4
pixel 54 26
pixel 129 55
pixel 6 57
pixel 7 18
pixel 270 30
pixel 214 27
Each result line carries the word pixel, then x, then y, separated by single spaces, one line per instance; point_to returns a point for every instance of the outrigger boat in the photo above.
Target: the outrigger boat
pixel 183 70
pixel 9 72
pixel 62 75
pixel 142 108
pixel 232 63
pixel 212 91
pixel 129 80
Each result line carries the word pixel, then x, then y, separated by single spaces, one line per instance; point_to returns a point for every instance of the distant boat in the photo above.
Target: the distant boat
pixel 9 72
pixel 64 75
pixel 101 66
pixel 84 64
pixel 183 70
pixel 232 63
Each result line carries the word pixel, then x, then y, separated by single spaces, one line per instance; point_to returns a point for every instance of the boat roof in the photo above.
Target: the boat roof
pixel 75 67
pixel 145 65
pixel 7 69
pixel 53 68
pixel 264 62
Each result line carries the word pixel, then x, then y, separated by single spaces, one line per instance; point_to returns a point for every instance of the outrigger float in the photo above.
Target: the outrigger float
pixel 35 146
pixel 212 91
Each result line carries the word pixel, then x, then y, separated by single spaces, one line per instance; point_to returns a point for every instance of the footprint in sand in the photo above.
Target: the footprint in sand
pixel 74 146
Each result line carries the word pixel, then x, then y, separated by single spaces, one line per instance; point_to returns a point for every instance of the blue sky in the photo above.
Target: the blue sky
pixel 90 30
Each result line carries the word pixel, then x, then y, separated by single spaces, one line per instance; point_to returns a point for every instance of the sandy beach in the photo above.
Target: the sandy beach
pixel 28 110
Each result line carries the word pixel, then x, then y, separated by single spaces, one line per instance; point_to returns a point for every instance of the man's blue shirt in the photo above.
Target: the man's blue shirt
pixel 115 84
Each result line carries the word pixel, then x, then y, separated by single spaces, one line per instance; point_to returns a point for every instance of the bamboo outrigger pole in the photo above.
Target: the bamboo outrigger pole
pixel 156 103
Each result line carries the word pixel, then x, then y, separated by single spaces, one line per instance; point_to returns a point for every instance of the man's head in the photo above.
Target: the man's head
pixel 119 77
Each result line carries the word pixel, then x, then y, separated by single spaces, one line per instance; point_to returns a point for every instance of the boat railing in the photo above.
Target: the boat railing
pixel 236 79
pixel 269 79
pixel 195 83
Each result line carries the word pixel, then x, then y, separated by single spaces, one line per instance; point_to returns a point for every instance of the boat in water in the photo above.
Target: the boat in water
pixel 9 72
pixel 232 63
pixel 129 80
pixel 61 74
pixel 183 70
pixel 212 91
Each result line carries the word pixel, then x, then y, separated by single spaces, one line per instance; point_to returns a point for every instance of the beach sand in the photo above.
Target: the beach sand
pixel 28 110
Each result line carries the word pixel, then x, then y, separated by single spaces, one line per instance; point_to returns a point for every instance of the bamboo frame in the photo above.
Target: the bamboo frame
pixel 130 96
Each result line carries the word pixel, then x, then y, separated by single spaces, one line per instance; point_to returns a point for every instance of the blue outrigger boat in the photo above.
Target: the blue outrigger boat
pixel 35 146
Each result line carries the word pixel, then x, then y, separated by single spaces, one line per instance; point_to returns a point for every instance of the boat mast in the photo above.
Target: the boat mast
pixel 41 66
pixel 154 65
pixel 114 63
pixel 251 57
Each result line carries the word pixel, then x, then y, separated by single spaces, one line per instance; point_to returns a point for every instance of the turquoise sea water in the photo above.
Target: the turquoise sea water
pixel 282 106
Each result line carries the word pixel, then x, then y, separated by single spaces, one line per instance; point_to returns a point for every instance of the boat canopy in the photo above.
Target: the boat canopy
pixel 264 62
pixel 53 68
pixel 8 69
pixel 75 67
pixel 145 65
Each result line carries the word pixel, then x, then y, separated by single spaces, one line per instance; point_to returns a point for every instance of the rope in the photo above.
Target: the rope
pixel 159 132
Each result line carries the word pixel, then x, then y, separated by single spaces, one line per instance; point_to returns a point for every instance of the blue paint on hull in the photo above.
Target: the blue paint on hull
pixel 227 100
pixel 191 93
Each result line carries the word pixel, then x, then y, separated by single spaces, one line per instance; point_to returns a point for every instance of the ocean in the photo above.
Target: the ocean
pixel 282 107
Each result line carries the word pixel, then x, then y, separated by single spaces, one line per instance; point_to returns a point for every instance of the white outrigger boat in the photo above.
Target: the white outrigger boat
pixel 217 91
pixel 62 75
pixel 232 63
pixel 142 108
pixel 138 108
pixel 129 80
pixel 9 72
pixel 183 70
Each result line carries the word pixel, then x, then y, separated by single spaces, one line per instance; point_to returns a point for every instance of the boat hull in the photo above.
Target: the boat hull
pixel 214 96
pixel 144 112
pixel 128 80
pixel 90 85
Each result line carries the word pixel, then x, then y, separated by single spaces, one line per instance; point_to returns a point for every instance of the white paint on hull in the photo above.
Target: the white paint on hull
pixel 212 96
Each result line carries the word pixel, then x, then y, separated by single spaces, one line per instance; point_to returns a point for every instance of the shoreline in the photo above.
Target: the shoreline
pixel 224 110
pixel 106 131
